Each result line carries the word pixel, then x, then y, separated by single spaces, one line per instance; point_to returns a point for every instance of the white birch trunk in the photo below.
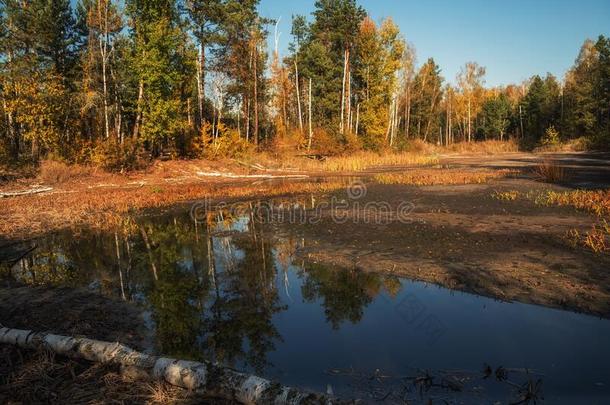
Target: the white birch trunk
pixel 203 378
pixel 343 91
pixel 296 72
pixel 103 40
pixel 357 118
pixel 310 123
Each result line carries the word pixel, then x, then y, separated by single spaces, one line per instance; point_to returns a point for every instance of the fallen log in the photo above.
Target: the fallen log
pixel 252 176
pixel 25 192
pixel 204 378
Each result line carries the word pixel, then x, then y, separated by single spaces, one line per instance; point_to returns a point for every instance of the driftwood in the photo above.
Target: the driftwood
pixel 252 176
pixel 314 156
pixel 25 192
pixel 203 378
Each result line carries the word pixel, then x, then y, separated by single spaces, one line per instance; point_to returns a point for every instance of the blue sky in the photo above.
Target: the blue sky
pixel 513 39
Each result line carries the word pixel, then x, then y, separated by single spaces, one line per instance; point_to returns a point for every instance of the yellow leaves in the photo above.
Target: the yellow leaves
pixel 368 27
pixel 38 101
pixel 215 142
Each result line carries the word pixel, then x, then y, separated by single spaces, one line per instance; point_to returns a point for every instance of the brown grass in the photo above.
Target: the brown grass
pixel 356 162
pixel 550 172
pixel 596 240
pixel 41 377
pixel 484 147
pixel 481 148
pixel 105 206
pixel 54 172
pixel 430 177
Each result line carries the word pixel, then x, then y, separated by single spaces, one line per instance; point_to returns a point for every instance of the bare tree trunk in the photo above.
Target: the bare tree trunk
pixel 469 122
pixel 357 117
pixel 296 72
pixel 203 378
pixel 521 121
pixel 239 120
pixel 255 134
pixel 118 114
pixel 103 43
pixel 247 115
pixel 136 127
pixel 188 113
pixel 201 82
pixel 343 91
pixel 390 118
pixel 349 99
pixel 310 123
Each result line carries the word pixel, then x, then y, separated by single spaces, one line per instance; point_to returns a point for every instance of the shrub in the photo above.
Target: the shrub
pixel 551 137
pixel 324 143
pixel 226 144
pixel 114 156
pixel 550 172
pixel 55 172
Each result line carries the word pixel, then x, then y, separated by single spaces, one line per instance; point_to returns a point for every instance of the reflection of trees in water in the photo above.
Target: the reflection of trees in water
pixel 212 293
pixel 240 326
pixel 344 293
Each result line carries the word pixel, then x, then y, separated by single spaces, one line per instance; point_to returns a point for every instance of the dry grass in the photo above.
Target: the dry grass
pixel 481 148
pixel 356 162
pixel 106 206
pixel 430 177
pixel 575 145
pixel 597 239
pixel 550 172
pixel 484 147
pixel 593 201
pixel 54 172
pixel 505 195
pixel 40 377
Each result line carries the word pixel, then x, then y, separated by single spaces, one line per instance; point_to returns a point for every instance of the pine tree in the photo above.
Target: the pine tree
pixel 427 96
pixel 160 62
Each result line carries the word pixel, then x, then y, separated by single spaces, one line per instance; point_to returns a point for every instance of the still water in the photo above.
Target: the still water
pixel 232 288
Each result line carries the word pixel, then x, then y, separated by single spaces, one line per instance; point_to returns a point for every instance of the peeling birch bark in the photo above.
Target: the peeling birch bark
pixel 25 192
pixel 204 378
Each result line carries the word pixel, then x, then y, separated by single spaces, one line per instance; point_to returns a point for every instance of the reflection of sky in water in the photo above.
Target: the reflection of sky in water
pixel 306 320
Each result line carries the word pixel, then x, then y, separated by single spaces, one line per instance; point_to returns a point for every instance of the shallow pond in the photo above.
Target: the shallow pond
pixel 229 286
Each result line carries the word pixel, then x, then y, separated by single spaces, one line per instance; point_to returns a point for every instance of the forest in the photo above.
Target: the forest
pixel 109 83
pixel 272 201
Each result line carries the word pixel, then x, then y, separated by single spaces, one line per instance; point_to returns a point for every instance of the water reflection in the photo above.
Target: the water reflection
pixel 212 287
pixel 230 289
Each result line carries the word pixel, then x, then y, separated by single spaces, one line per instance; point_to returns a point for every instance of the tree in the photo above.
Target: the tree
pixel 242 57
pixel 205 17
pixel 495 118
pixel 326 57
pixel 378 59
pixel 427 95
pixel 541 107
pixel 102 23
pixel 38 60
pixel 471 79
pixel 161 61
pixel 408 75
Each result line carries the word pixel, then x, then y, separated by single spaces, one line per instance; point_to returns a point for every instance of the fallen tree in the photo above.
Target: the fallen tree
pixel 36 190
pixel 204 378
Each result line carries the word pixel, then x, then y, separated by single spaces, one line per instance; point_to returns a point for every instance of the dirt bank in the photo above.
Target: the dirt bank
pixel 462 238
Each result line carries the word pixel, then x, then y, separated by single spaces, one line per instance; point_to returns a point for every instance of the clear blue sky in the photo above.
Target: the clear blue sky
pixel 513 39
